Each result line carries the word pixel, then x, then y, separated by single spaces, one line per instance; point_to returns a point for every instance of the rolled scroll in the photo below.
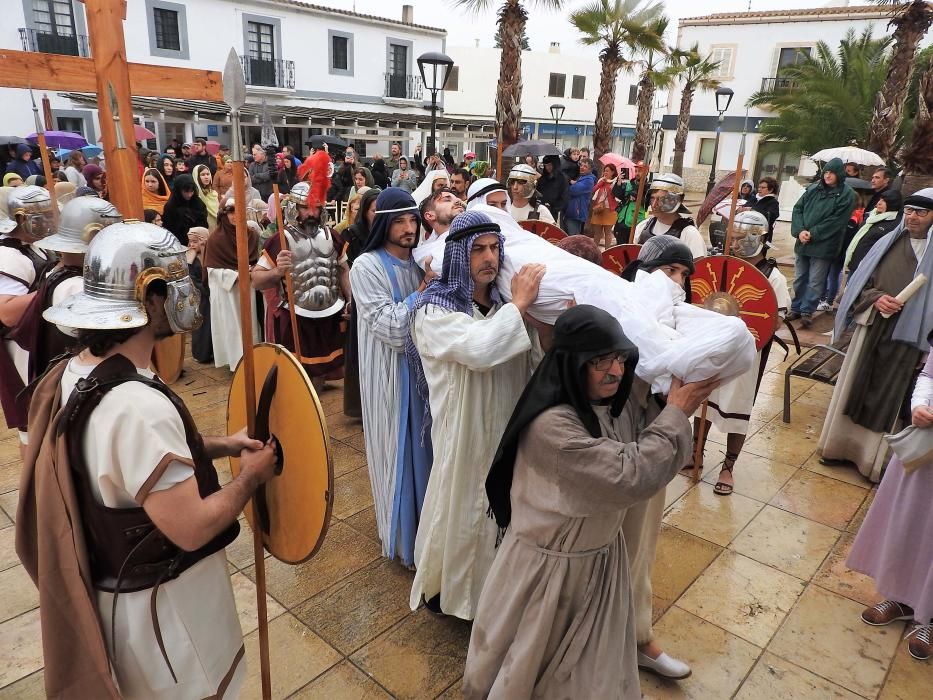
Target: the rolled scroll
pixel 908 291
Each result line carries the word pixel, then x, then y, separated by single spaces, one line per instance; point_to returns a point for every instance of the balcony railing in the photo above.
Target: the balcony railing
pixel 402 87
pixel 276 72
pixel 775 84
pixel 46 42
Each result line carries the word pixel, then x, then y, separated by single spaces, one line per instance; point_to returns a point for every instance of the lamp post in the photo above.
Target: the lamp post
pixel 435 70
pixel 655 130
pixel 557 111
pixel 723 98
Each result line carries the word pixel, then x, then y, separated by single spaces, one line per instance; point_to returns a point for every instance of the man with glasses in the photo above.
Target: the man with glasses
pixel 891 336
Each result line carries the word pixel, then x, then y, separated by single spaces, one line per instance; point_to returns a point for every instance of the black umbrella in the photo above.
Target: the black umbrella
pixel 857 183
pixel 320 140
pixel 11 140
pixel 521 149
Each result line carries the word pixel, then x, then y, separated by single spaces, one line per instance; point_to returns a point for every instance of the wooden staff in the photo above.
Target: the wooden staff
pixel 643 171
pixel 289 283
pixel 235 96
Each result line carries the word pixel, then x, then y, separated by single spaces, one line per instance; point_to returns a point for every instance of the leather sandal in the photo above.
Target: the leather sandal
pixel 722 488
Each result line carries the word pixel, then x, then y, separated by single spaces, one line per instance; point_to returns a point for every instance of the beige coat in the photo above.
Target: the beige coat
pixel 555 619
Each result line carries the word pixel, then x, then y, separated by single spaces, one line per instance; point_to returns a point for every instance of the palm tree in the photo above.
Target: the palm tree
pixel 918 154
pixel 911 22
pixel 826 99
pixel 657 72
pixel 617 25
pixel 512 19
pixel 697 73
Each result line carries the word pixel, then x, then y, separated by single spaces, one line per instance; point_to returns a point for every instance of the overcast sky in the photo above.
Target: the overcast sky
pixel 544 27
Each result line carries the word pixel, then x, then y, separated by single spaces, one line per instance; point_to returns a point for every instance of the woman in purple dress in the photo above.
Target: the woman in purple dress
pixel 895 543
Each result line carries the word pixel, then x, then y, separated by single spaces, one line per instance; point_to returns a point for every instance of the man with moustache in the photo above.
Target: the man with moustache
pixel 438 211
pixel 385 280
pixel 460 180
pixel 473 355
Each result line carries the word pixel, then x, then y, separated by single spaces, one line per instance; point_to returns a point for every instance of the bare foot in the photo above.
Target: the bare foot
pixel 725 477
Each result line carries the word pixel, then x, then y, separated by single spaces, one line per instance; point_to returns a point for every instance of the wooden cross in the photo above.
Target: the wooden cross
pixel 114 80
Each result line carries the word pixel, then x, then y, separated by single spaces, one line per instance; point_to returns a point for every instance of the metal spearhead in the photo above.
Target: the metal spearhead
pixel 235 97
pixel 35 113
pixel 115 111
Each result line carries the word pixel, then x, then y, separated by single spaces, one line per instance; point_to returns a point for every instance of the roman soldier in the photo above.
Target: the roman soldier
pixel 669 215
pixel 22 267
pixel 317 262
pixel 526 200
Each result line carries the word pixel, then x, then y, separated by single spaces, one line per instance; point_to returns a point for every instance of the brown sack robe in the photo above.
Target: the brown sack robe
pixel 556 617
pixel 50 543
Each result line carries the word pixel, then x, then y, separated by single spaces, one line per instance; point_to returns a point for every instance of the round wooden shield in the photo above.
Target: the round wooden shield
pixel 168 357
pixel 615 258
pixel 296 505
pixel 548 232
pixel 731 286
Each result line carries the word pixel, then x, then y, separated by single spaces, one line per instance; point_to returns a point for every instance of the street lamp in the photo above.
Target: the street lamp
pixel 655 130
pixel 723 98
pixel 557 111
pixel 435 70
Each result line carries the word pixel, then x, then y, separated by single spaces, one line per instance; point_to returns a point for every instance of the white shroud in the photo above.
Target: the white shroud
pixel 672 338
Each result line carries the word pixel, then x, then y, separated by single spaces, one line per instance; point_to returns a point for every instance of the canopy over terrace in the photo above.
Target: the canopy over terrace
pixel 352 125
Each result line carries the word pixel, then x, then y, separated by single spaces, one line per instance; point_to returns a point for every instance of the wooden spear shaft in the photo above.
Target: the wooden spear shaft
pixel 643 170
pixel 289 283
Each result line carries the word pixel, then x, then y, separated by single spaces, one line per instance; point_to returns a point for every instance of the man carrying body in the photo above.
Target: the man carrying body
pixel 22 268
pixel 385 281
pixel 488 191
pixel 321 278
pixel 121 522
pixel 669 216
pixel 438 211
pixel 585 443
pixel 476 356
pixel 526 205
pixel 883 356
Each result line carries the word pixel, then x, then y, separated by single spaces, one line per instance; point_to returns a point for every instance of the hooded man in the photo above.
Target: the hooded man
pixel 554 187
pixel 23 165
pixel 476 357
pixel 526 202
pixel 490 192
pixel 385 281
pixel 819 225
pixel 585 443
pixel 669 215
pixel 889 340
pixel 433 182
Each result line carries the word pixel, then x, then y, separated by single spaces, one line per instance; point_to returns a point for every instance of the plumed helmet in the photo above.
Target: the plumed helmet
pixel 81 219
pixel 748 232
pixel 120 263
pixel 298 196
pixel 34 205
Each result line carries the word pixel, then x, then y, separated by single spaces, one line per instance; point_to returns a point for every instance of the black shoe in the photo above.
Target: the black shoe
pixel 806 320
pixel 433 605
pixel 793 316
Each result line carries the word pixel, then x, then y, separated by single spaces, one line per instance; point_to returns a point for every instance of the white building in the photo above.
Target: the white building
pixel 548 77
pixel 752 47
pixel 320 70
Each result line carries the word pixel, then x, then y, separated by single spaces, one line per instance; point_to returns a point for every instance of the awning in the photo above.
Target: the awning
pixel 314 117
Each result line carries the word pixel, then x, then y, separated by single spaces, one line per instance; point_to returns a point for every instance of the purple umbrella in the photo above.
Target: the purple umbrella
pixel 60 139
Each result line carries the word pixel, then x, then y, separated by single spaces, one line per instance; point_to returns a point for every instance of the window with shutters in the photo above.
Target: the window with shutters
pixel 453 80
pixel 633 94
pixel 557 85
pixel 706 149
pixel 578 87
pixel 340 52
pixel 166 29
pixel 725 56
pixel 341 44
pixel 167 23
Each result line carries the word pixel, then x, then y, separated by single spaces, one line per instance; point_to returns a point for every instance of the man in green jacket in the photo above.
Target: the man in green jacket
pixel 818 224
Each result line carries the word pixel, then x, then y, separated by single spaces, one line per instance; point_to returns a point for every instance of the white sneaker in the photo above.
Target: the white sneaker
pixel 665 666
pixel 824 306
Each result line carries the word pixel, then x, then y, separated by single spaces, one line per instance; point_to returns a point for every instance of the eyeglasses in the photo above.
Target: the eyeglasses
pixel 916 211
pixel 604 362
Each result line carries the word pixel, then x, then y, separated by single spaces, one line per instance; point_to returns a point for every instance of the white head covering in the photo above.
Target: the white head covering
pixel 427 186
pixel 482 188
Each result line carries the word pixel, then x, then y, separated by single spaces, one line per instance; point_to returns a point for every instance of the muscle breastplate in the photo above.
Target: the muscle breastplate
pixel 315 270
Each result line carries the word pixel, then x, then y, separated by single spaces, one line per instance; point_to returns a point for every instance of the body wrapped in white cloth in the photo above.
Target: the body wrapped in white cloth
pixel 673 338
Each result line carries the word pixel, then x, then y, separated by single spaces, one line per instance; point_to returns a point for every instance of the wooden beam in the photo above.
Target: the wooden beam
pixel 42 71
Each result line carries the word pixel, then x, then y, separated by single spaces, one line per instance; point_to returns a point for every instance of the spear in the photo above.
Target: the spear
pixel 44 155
pixel 235 97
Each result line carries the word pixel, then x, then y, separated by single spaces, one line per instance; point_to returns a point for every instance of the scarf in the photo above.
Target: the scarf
pixel 180 214
pixel 872 219
pixel 220 249
pixel 208 196
pixel 392 203
pixel 580 334
pixel 155 200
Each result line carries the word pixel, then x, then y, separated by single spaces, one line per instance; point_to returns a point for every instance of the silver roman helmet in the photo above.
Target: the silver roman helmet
pixel 81 219
pixel 748 233
pixel 121 261
pixel 30 206
pixel 298 196
pixel 672 187
pixel 525 174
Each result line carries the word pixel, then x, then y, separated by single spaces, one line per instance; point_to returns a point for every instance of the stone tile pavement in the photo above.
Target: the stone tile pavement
pixel 752 590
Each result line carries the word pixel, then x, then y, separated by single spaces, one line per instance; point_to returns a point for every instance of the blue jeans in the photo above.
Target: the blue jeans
pixel 833 278
pixel 573 226
pixel 809 283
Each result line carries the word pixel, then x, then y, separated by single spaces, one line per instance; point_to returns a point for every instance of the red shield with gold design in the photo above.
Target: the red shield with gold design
pixel 616 258
pixel 548 232
pixel 733 287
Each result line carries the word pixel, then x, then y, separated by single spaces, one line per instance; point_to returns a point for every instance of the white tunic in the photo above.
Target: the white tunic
pixel 690 236
pixel 132 435
pixel 521 213
pixel 730 406
pixel 476 368
pixel 226 326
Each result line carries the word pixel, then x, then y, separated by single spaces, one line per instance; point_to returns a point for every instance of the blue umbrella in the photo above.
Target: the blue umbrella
pixel 88 151
pixel 60 139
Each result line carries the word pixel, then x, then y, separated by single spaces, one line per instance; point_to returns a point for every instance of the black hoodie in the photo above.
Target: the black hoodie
pixel 554 187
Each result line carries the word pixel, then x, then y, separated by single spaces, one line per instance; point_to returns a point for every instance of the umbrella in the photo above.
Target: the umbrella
pixel 140 133
pixel 848 154
pixel 213 147
pixel 620 162
pixel 11 140
pixel 857 183
pixel 715 196
pixel 521 149
pixel 88 151
pixel 319 140
pixel 60 139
